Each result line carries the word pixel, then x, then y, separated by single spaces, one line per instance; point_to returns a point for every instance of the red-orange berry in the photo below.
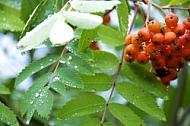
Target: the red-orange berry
pixel 169 37
pixel 158 63
pixel 165 29
pixel 157 39
pixel 171 20
pixel 106 19
pixel 186 22
pixel 130 50
pixel 144 34
pixel 128 39
pixel 179 30
pixel 154 26
pixel 142 57
pixel 186 54
pixel 94 46
pixel 128 58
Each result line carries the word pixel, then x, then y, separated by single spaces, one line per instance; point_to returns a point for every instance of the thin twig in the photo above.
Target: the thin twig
pixel 148 14
pixel 180 90
pixel 158 7
pixel 118 69
pixel 176 8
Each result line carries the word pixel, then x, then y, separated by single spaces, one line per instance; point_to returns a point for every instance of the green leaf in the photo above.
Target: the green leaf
pixel 93 6
pixel 176 2
pixel 85 39
pixel 83 20
pixel 30 13
pixel 7 116
pixel 34 67
pixel 27 10
pixel 73 48
pixel 69 77
pixel 123 15
pixel 144 79
pixel 98 82
pixel 77 64
pixel 10 22
pixel 103 59
pixel 4 90
pixel 90 122
pixel 110 36
pixel 140 98
pixel 58 87
pixel 125 115
pixel 108 124
pixel 83 105
pixel 37 35
pixel 37 96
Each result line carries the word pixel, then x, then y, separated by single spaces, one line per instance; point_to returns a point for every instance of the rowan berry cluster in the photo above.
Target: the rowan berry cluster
pixel 166 47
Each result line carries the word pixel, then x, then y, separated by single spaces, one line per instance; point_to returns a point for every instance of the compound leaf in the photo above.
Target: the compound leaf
pixel 98 82
pixel 176 2
pixel 93 6
pixel 69 77
pixel 10 22
pixel 37 35
pixel 90 122
pixel 110 36
pixel 34 67
pixel 123 13
pixel 125 115
pixel 103 59
pixel 140 99
pixel 59 87
pixel 38 98
pixel 82 105
pixel 85 39
pixel 142 78
pixel 4 89
pixel 7 116
pixel 83 20
pixel 77 63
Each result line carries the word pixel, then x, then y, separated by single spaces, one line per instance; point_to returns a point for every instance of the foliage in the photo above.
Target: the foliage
pixel 74 84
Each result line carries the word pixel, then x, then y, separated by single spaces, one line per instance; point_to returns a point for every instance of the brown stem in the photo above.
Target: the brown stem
pixel 148 14
pixel 159 8
pixel 176 8
pixel 118 70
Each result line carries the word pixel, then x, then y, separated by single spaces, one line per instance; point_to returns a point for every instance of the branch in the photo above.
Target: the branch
pixel 118 69
pixel 180 90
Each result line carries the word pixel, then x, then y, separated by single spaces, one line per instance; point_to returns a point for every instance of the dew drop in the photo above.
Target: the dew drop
pixel 28 121
pixel 76 67
pixel 70 58
pixel 37 94
pixel 93 90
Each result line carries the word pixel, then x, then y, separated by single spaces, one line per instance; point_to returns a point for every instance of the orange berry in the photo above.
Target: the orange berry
pixel 128 58
pixel 186 22
pixel 179 30
pixel 144 34
pixel 169 37
pixel 165 29
pixel 154 26
pixel 106 19
pixel 157 39
pixel 94 46
pixel 130 50
pixel 158 63
pixel 171 20
pixel 142 57
pixel 128 39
